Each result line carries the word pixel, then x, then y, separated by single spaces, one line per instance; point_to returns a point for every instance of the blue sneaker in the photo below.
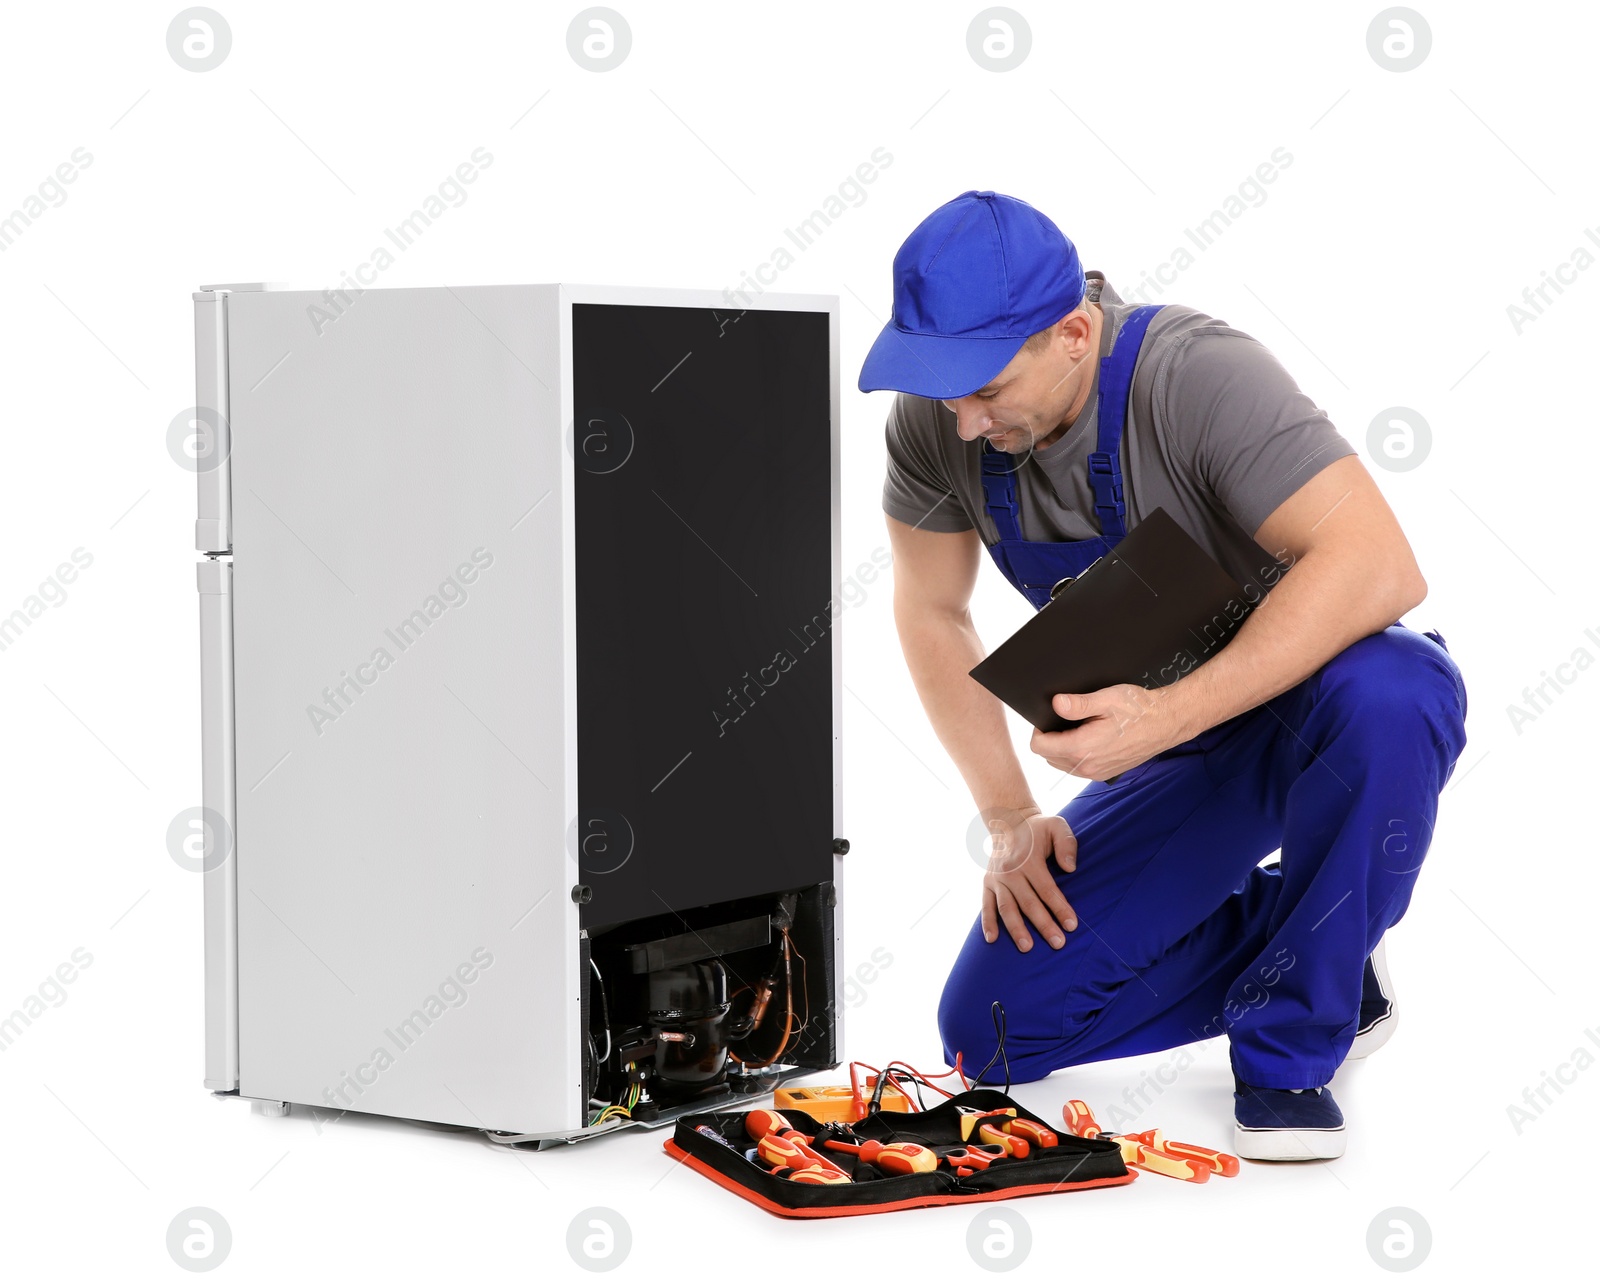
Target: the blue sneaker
pixel 1380 1013
pixel 1286 1124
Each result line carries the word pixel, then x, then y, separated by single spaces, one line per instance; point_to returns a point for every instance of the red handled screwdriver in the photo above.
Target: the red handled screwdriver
pixel 891 1157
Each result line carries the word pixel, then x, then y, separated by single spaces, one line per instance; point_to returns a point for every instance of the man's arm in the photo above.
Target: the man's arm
pixel 1352 574
pixel 933 578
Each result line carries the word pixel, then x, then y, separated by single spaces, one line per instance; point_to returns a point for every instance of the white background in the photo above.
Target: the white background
pixel 1379 268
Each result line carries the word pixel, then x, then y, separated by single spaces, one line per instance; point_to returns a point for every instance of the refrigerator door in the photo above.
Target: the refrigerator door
pixel 400 481
pixel 217 872
pixel 708 602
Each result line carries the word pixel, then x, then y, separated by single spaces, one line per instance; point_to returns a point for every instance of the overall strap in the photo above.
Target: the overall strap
pixel 1105 465
pixel 1000 491
pixel 1116 380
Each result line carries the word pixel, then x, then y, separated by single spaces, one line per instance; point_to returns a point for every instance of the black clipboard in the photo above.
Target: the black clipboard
pixel 1146 613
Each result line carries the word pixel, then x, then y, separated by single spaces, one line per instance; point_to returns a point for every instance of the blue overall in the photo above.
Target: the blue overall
pixel 1035 567
pixel 1182 936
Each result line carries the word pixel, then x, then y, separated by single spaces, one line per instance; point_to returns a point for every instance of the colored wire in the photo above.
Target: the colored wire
pixel 605 1015
pixel 805 987
pixel 876 1104
pixel 922 1077
pixel 894 1073
pixel 623 1109
pixel 788 1013
pixel 997 1011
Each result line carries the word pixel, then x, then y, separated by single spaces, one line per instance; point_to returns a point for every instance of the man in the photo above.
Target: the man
pixel 1041 416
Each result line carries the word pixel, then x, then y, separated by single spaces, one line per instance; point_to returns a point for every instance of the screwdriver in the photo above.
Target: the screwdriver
pixel 1006 1129
pixel 803 1163
pixel 814 1175
pixel 891 1157
pixel 758 1124
pixel 1137 1153
pixel 1217 1161
pixel 763 1121
pixel 762 1124
pixel 1079 1119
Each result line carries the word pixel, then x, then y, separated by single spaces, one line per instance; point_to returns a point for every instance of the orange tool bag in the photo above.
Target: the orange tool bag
pixel 727 1154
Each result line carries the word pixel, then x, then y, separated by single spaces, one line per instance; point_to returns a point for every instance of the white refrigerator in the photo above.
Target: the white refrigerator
pixel 521 698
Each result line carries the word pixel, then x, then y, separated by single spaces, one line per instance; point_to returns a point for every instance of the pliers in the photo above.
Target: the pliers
pixel 970 1158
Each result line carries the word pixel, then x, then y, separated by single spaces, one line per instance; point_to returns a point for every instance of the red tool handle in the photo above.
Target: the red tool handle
pixel 816 1176
pixel 971 1116
pixel 1136 1155
pixel 1079 1119
pixel 1151 1149
pixel 1040 1135
pixel 1216 1161
pixel 971 1158
pixel 891 1157
pixel 782 1151
pixel 989 1132
pixel 758 1124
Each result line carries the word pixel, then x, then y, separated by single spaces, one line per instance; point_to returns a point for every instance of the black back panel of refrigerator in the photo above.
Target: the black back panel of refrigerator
pixel 704 614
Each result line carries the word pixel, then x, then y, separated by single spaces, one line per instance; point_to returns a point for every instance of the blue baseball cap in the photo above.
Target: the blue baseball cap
pixel 979 276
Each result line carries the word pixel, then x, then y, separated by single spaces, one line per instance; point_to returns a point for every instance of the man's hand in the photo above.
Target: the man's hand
pixel 1125 725
pixel 1019 886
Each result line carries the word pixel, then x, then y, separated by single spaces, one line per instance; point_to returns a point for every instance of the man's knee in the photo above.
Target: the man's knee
pixel 1398 682
pixel 982 1008
pixel 965 1021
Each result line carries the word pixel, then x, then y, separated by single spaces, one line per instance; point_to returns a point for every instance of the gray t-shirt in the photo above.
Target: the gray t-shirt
pixel 1217 433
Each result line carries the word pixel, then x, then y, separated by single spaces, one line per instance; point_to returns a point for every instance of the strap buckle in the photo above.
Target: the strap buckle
pixel 1105 480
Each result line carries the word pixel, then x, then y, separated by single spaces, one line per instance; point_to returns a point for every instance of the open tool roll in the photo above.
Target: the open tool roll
pixel 1071 1164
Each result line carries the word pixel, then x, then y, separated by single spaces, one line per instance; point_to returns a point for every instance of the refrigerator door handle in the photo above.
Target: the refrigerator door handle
pixel 219 870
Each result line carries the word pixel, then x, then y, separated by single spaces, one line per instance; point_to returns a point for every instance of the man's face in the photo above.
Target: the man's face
pixel 1029 399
